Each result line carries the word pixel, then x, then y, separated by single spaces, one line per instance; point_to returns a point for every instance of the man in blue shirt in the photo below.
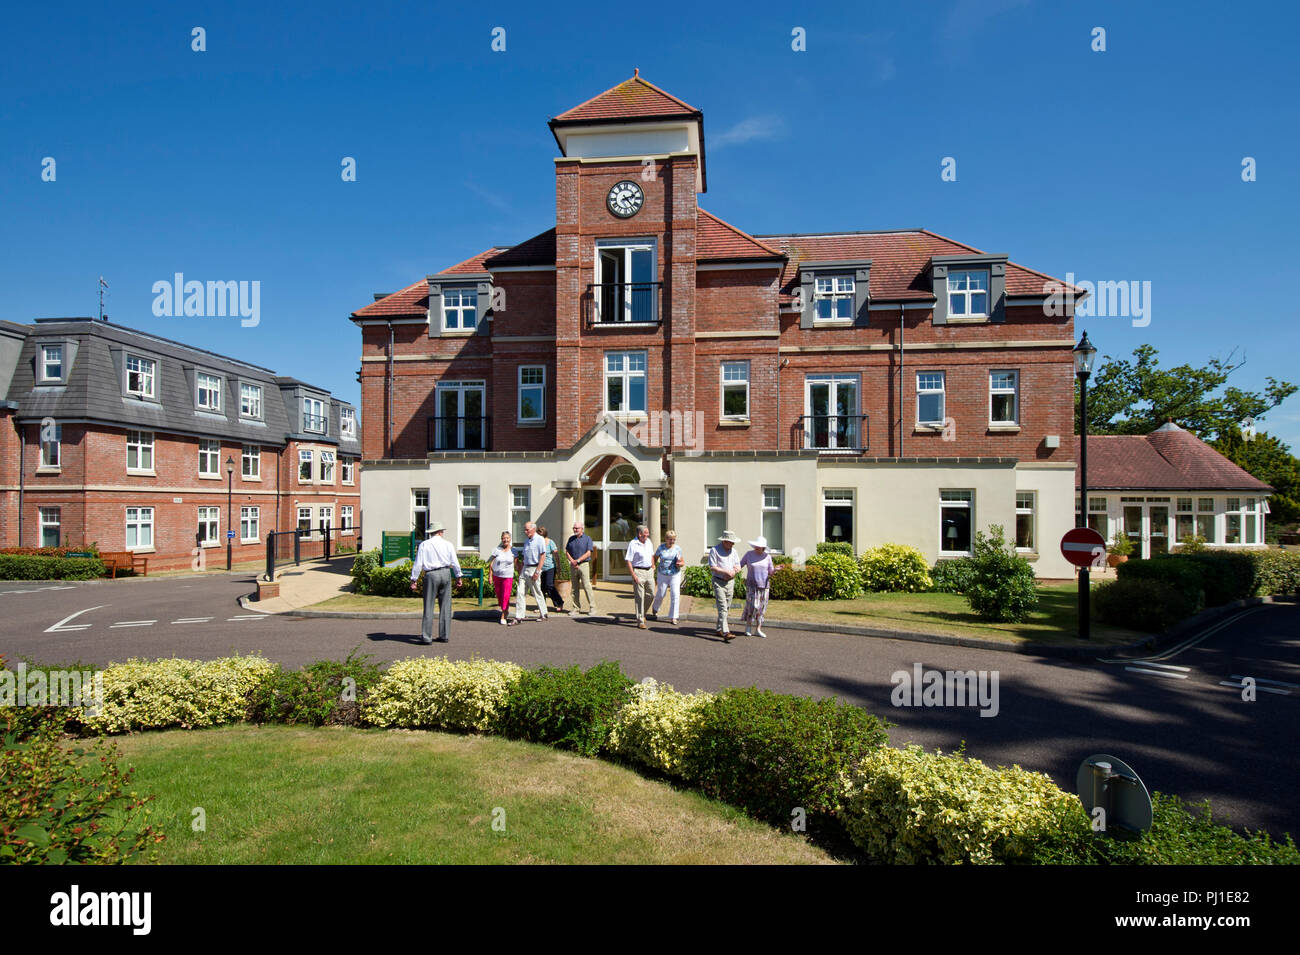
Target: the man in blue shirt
pixel 534 552
pixel 580 550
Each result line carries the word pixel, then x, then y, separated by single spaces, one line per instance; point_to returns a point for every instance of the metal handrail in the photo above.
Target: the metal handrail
pixel 855 438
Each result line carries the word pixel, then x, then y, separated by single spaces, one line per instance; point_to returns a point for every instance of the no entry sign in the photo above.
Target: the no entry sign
pixel 1084 547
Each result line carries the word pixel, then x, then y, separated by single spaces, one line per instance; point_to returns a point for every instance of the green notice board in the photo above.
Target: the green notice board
pixel 396 548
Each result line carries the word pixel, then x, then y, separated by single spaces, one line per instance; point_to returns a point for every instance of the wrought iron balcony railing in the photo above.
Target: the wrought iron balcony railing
pixel 460 433
pixel 843 433
pixel 623 303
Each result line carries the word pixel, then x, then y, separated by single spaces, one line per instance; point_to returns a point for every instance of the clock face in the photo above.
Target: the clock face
pixel 625 199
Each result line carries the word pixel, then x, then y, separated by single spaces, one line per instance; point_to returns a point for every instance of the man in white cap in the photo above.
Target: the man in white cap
pixel 724 563
pixel 437 558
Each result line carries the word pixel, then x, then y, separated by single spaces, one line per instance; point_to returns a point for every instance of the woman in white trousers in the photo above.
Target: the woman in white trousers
pixel 668 574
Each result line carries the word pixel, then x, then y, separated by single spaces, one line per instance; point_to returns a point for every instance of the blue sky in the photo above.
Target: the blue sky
pixel 225 164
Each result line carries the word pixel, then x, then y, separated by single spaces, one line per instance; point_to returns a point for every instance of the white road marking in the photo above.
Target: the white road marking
pixel 35 590
pixel 133 623
pixel 192 620
pixel 1266 689
pixel 1163 666
pixel 1176 676
pixel 249 616
pixel 61 626
pixel 1260 679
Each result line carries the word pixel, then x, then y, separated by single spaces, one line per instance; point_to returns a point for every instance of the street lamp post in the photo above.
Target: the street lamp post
pixel 230 487
pixel 1084 353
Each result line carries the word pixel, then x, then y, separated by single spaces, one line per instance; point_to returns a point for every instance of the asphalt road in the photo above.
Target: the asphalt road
pixel 1171 719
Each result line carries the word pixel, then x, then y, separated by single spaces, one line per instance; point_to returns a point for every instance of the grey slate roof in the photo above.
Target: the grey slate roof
pixel 95 387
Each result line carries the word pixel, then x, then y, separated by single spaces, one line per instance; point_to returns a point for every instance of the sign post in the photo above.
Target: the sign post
pixel 1084 548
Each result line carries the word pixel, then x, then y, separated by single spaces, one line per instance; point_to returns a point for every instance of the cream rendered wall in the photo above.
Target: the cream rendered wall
pixel 1054 484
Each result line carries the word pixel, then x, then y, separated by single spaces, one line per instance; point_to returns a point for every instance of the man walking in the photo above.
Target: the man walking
pixel 640 564
pixel 437 558
pixel 724 562
pixel 580 549
pixel 534 552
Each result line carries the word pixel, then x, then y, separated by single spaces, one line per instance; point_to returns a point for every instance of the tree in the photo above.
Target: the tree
pixel 1268 459
pixel 1138 396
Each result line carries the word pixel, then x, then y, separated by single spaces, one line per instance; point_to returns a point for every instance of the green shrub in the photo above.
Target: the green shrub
pixel 63 804
pixel 363 565
pixel 423 693
pixel 811 583
pixel 153 694
pixel 894 568
pixel 843 572
pixel 1225 575
pixel 327 691
pixel 658 726
pixel 1181 573
pixel 1276 572
pixel 953 575
pixel 1150 606
pixel 567 708
pixel 697 581
pixel 781 560
pixel 835 547
pixel 771 753
pixel 37 567
pixel 394 581
pixel 907 806
pixel 1002 586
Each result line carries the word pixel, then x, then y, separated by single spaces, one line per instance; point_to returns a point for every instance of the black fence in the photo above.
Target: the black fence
pixel 460 433
pixel 622 303
pixel 846 433
pixel 306 544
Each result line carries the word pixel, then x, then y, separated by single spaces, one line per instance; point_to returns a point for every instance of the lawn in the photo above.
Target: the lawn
pixel 1054 621
pixel 280 794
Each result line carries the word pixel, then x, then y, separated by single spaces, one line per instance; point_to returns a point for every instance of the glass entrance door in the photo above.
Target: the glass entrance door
pixel 624 510
pixel 1158 533
pixel 832 415
pixel 460 423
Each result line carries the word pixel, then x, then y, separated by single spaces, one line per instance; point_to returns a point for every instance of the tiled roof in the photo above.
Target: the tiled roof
pixel 539 250
pixel 715 239
pixel 1168 458
pixel 414 299
pixel 634 98
pixel 898 261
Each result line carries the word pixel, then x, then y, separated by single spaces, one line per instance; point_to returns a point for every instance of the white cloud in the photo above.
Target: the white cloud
pixel 748 130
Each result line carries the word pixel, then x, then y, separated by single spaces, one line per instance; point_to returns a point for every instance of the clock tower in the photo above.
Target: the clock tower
pixel 630 166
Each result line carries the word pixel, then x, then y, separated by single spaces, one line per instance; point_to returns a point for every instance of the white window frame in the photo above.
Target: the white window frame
pixel 1032 510
pixel 521 506
pixel 459 308
pixel 211 449
pixel 345 520
pixel 50 517
pixel 833 289
pixel 144 444
pixel 51 461
pixel 968 503
pixel 462 390
pixel 325 516
pixel 301 511
pixel 629 246
pixel 959 286
pixel 249 519
pixel 838 497
pixel 209 526
pixel 326 467
pixel 140 518
pixel 419 494
pixel 711 508
pixel 538 385
pixel 147 383
pixel 250 401
pixel 929 389
pixel 739 379
pixel 213 390
pixel 250 454
pixel 626 373
pixel 46 361
pixel 347 470
pixel 777 509
pixel 462 509
pixel 1002 389
pixel 308 456
pixel 348 422
pixel 308 416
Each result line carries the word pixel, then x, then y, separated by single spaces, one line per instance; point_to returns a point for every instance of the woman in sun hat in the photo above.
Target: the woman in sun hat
pixel 759 563
pixel 724 563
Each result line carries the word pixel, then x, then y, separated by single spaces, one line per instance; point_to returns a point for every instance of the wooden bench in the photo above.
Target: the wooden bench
pixel 125 560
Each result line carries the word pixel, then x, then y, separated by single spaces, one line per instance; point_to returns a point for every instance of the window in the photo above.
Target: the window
pixel 833 298
pixel 626 290
pixel 139 450
pixel 1097 517
pixel 313 415
pixel 461 424
pixel 420 512
pixel 1184 520
pixel 139 527
pixel 1205 519
pixel 459 309
pixel 831 419
pixel 469 518
pixel 837 514
pixel 955 517
pixel 250 400
pixel 248 524
pixel 251 462
pixel 327 467
pixel 140 376
pixel 51 363
pixel 929 397
pixel 209 458
pixel 209 526
pixel 1025 520
pixel 520 505
pixel 345 519
pixel 305 460
pixel 1232 524
pixel 532 393
pixel 327 517
pixel 735 390
pixel 968 294
pixel 347 470
pixel 304 521
pixel 348 422
pixel 1003 405
pixel 51 445
pixel 1251 519
pixel 715 513
pixel 625 386
pixel 209 388
pixel 50 526
pixel 774 517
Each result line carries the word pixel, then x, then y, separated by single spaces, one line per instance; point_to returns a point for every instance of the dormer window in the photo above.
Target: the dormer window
pixel 968 294
pixel 313 415
pixel 459 309
pixel 140 376
pixel 834 298
pixel 347 422
pixel 51 363
pixel 209 392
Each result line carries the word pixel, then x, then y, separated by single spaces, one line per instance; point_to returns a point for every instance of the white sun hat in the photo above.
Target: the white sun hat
pixel 759 541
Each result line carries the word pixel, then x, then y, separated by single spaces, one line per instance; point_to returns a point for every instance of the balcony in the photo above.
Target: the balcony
pixel 462 433
pixel 622 304
pixel 831 434
pixel 314 423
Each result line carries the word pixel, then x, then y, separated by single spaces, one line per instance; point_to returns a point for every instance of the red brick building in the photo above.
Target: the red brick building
pixel 644 360
pixel 134 442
